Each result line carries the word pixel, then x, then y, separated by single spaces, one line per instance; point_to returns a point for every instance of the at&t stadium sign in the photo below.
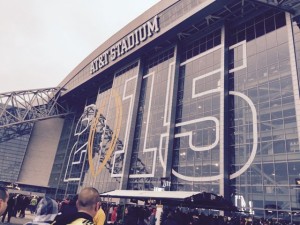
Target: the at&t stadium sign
pixel 133 39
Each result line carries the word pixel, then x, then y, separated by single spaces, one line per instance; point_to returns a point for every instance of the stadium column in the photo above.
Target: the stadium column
pixel 126 169
pixel 293 48
pixel 171 131
pixel 224 126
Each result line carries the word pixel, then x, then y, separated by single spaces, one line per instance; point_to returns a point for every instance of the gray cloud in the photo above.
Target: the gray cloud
pixel 42 41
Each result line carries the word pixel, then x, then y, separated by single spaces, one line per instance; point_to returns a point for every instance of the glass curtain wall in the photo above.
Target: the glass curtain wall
pixel 150 144
pixel 100 135
pixel 197 132
pixel 264 133
pixel 263 146
pixel 114 109
pixel 12 152
pixel 56 181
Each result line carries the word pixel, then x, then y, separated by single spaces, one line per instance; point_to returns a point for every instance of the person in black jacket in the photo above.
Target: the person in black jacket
pixel 24 203
pixel 130 217
pixel 67 212
pixel 10 208
pixel 3 199
pixel 170 220
pixel 87 204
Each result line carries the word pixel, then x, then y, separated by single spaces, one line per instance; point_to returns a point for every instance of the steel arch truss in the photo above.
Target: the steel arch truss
pixel 19 109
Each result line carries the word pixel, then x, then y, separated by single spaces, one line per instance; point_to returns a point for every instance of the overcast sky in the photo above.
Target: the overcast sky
pixel 42 41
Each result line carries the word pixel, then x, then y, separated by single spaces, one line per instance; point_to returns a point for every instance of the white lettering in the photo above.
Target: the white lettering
pixel 113 54
pixel 101 61
pixel 130 41
pixel 136 35
pixel 118 47
pixel 127 43
pixel 166 183
pixel 158 189
pixel 105 57
pixel 153 27
pixel 124 47
pixel 94 66
pixel 143 33
pixel 240 202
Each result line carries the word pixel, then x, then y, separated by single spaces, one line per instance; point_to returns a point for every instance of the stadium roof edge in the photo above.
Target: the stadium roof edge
pixel 208 7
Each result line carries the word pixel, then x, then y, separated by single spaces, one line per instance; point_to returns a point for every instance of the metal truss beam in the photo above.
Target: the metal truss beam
pixel 291 6
pixel 29 106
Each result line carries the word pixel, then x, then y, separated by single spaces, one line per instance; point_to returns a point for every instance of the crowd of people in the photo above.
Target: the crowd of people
pixel 146 215
pixel 193 217
pixel 17 204
pixel 86 209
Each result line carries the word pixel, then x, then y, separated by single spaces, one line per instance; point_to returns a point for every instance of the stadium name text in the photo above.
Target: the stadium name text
pixel 133 39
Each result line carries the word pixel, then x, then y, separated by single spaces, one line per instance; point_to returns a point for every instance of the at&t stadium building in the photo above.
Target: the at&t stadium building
pixel 191 96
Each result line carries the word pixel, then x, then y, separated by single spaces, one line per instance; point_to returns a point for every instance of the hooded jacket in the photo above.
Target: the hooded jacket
pixel 46 211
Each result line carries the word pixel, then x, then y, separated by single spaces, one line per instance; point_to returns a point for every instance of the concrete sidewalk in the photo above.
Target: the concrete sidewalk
pixel 18 221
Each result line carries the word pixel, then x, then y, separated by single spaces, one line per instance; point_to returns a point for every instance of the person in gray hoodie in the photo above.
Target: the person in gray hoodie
pixel 46 212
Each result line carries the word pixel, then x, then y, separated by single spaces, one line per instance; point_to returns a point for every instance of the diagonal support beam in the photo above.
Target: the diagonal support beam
pixel 31 105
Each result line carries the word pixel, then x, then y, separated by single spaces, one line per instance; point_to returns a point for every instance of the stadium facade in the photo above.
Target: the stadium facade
pixel 193 95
